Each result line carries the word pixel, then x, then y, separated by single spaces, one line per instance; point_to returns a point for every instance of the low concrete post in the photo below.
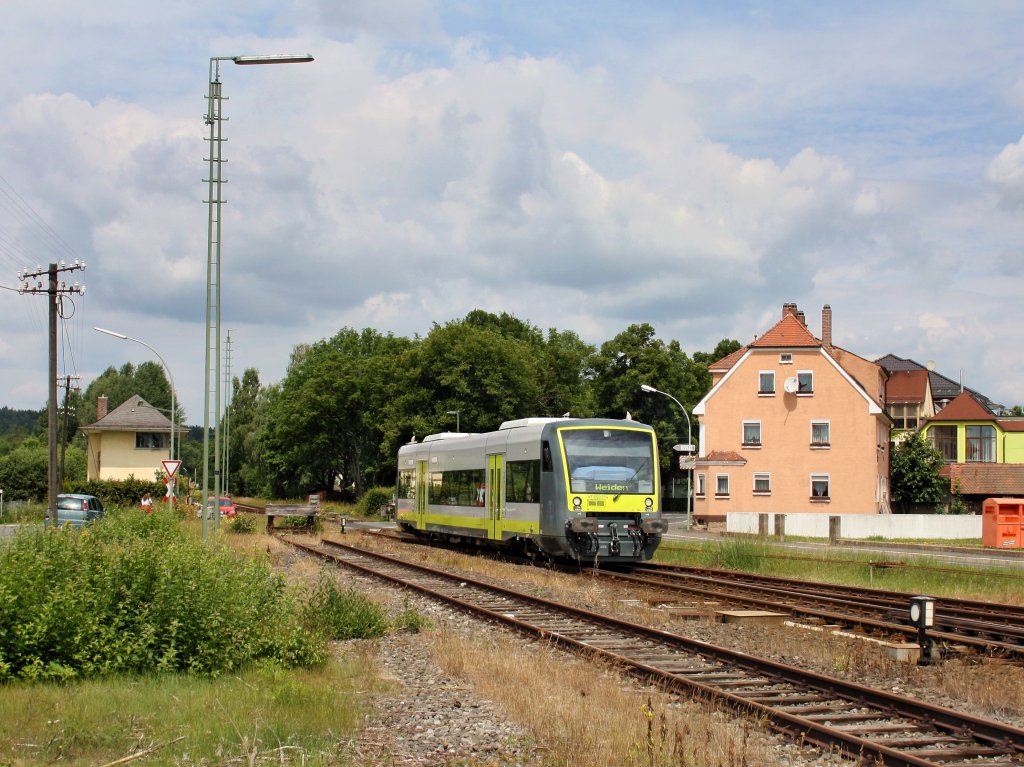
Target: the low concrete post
pixel 835 532
pixel 780 527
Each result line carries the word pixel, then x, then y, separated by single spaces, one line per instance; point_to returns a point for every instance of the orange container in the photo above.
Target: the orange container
pixel 1002 523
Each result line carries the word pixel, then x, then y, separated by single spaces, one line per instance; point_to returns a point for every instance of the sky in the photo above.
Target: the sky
pixel 582 165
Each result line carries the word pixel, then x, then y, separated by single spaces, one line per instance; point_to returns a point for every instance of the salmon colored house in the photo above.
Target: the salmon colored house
pixel 793 424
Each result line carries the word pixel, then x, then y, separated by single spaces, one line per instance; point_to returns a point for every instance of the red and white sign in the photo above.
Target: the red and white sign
pixel 171 467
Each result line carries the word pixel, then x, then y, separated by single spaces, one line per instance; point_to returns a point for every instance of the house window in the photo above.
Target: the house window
pixel 766 382
pixel 701 486
pixel 751 434
pixel 805 382
pixel 943 438
pixel 763 484
pixel 819 487
pixel 981 444
pixel 721 486
pixel 905 416
pixel 785 358
pixel 150 440
pixel 820 434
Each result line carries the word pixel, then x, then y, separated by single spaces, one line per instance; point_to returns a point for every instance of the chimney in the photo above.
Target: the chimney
pixel 101 407
pixel 800 316
pixel 788 309
pixel 826 326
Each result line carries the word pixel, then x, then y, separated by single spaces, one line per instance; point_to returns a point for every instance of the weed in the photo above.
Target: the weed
pixel 343 614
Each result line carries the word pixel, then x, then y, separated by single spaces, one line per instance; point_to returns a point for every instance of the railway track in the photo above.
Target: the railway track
pixel 876 726
pixel 982 627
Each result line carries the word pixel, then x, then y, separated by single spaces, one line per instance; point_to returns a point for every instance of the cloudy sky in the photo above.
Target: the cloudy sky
pixel 582 165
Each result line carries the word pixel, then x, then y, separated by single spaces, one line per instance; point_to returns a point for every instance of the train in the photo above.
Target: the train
pixel 583 489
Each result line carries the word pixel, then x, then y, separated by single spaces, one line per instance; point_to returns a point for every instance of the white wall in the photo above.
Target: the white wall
pixel 854 526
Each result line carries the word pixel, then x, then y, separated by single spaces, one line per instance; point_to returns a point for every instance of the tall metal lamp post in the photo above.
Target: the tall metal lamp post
pixel 689 476
pixel 123 337
pixel 214 201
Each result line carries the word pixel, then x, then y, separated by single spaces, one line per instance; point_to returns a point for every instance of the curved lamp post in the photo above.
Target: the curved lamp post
pixel 689 485
pixel 213 270
pixel 123 337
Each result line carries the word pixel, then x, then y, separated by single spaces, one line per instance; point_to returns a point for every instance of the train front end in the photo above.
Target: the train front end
pixel 605 499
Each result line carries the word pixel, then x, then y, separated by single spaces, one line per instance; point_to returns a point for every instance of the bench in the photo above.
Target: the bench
pixel 274 511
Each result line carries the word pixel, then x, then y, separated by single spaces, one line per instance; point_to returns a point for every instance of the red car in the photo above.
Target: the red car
pixel 227 507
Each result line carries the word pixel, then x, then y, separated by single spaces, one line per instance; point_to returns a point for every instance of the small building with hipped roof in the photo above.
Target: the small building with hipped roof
pixel 131 440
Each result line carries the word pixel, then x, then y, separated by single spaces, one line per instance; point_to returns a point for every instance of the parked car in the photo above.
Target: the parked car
pixel 78 509
pixel 227 507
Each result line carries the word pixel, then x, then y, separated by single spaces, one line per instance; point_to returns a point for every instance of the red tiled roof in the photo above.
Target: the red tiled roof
pixel 729 360
pixel 988 479
pixel 1011 424
pixel 787 332
pixel 906 386
pixel 963 408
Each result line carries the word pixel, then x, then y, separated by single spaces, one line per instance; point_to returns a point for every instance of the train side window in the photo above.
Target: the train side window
pixel 522 481
pixel 546 454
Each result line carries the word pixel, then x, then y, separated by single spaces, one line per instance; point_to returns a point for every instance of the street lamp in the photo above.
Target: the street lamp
pixel 215 181
pixel 456 414
pixel 689 484
pixel 123 337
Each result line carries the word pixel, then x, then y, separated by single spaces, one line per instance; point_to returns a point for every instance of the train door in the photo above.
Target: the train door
pixel 421 495
pixel 495 494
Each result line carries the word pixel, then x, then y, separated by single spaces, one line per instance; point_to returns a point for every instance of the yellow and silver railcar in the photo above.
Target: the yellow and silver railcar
pixel 574 488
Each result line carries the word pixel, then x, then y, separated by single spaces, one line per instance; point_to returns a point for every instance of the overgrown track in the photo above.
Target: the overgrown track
pixel 984 628
pixel 876 726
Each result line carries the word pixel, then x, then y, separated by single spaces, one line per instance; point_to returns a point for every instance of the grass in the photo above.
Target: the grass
pixel 910 574
pixel 265 715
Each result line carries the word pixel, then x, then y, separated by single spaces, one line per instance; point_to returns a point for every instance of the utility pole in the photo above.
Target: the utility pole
pixel 64 431
pixel 227 413
pixel 55 289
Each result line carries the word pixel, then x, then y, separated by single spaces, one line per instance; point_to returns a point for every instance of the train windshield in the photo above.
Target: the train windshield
pixel 605 460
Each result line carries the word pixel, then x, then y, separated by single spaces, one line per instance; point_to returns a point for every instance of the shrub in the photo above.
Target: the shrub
pixel 134 593
pixel 373 501
pixel 242 524
pixel 338 614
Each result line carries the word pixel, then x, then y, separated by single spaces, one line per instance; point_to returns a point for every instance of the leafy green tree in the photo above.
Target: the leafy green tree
pixel 24 471
pixel 914 473
pixel 323 422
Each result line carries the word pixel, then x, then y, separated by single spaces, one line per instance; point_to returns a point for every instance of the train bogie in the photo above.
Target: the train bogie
pixel 582 489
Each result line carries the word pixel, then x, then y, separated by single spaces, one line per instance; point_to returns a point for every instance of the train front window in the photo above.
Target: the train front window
pixel 605 460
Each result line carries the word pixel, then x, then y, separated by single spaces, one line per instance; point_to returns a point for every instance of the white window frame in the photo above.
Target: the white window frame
pixel 761 391
pixel 718 484
pixel 799 391
pixel 828 488
pixel 701 485
pixel 785 358
pixel 828 426
pixel 743 435
pixel 766 476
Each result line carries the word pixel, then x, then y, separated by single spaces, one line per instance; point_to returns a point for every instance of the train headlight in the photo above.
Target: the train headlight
pixel 649 503
pixel 577 503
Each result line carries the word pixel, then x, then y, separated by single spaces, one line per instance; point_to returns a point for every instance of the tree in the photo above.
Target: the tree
pixel 914 473
pixel 323 422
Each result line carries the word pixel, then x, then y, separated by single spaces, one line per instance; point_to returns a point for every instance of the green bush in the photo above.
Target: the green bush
pixel 135 593
pixel 338 614
pixel 373 501
pixel 243 524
